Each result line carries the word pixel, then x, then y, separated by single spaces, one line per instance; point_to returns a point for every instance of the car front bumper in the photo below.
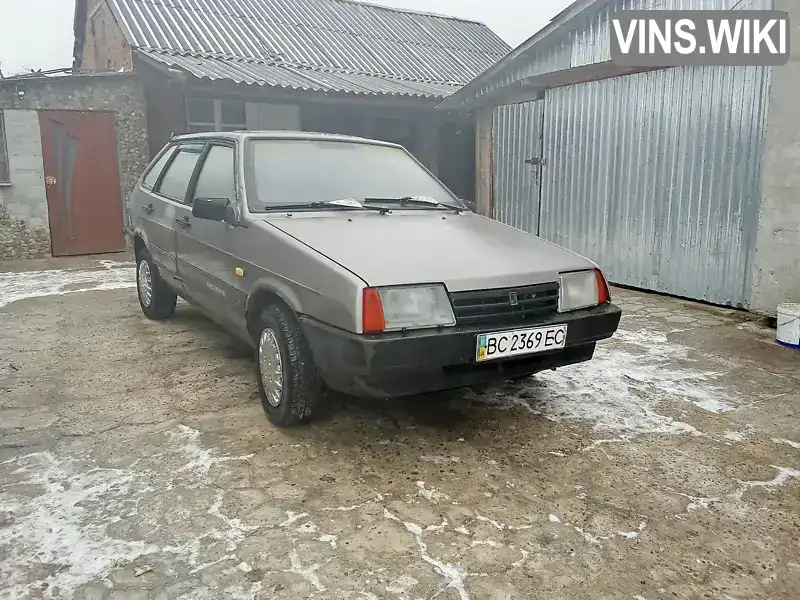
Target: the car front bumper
pixel 416 362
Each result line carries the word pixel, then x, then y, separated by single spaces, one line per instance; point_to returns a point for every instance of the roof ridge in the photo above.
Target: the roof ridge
pixel 423 13
pixel 279 62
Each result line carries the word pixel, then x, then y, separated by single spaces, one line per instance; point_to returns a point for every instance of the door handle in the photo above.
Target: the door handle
pixel 183 221
pixel 148 209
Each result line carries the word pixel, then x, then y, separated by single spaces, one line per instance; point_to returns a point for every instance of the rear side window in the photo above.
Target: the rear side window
pixel 152 175
pixel 175 182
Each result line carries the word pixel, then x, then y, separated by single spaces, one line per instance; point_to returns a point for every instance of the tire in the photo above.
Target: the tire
pixel 161 302
pixel 282 349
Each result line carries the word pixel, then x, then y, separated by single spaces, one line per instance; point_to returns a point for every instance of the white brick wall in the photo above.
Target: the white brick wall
pixel 25 198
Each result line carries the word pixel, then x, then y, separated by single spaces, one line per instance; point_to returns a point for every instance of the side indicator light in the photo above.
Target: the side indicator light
pixel 603 295
pixel 372 319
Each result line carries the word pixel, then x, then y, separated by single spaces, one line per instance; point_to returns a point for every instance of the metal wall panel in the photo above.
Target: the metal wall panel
pixel 517 137
pixel 657 177
pixel 586 40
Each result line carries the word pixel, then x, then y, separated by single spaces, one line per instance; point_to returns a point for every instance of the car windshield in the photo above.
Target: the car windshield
pixel 281 172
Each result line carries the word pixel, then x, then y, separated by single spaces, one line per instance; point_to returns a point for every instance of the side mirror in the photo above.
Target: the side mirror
pixel 470 204
pixel 215 209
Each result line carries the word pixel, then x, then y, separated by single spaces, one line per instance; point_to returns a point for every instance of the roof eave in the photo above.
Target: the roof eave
pixel 182 76
pixel 468 97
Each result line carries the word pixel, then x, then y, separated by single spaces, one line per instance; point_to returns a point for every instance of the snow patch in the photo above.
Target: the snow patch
pixel 431 494
pixel 401 585
pixel 74 517
pixel 735 436
pixel 35 284
pixel 787 442
pixel 328 539
pixel 454 576
pixel 620 389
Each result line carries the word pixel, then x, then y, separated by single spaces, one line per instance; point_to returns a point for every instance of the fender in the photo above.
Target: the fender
pixel 274 286
pixel 138 231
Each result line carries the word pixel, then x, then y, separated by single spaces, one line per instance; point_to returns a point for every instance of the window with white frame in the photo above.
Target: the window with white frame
pixel 207 114
pixel 5 176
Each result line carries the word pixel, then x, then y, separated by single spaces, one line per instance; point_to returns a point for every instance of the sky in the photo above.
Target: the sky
pixel 37 34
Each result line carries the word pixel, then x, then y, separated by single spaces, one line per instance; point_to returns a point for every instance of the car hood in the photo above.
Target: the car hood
pixel 464 252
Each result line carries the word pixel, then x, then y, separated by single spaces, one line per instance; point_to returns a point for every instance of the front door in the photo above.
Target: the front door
pixel 84 201
pixel 207 250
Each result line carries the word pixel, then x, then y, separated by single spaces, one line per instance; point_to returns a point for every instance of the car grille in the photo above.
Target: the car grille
pixel 495 307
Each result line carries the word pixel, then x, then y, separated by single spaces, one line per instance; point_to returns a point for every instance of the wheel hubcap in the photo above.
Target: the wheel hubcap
pixel 145 283
pixel 270 367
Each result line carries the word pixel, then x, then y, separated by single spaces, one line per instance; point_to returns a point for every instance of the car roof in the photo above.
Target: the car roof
pixel 278 135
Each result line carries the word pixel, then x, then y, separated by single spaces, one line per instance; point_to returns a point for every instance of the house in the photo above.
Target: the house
pixel 336 66
pixel 679 180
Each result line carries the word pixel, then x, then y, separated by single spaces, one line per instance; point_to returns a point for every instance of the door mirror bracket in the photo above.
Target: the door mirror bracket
pixel 215 209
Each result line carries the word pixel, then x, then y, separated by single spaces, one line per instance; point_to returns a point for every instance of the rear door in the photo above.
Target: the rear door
pixel 206 249
pixel 156 217
pixel 169 201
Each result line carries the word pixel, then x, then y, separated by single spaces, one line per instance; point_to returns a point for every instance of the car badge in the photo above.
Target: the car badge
pixel 512 297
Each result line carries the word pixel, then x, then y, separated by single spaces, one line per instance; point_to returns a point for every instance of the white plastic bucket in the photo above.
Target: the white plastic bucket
pixel 789 325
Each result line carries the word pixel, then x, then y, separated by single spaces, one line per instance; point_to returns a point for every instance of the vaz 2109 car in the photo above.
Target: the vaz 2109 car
pixel 349 266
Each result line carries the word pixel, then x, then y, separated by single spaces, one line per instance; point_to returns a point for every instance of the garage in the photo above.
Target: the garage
pixel 676 180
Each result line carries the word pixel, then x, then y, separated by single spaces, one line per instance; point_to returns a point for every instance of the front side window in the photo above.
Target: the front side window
pixel 302 171
pixel 216 178
pixel 175 182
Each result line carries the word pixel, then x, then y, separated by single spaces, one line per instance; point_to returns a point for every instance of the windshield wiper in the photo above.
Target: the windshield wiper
pixel 417 201
pixel 343 204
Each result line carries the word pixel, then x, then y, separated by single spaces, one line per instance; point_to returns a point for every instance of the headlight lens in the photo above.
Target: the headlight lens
pixel 581 289
pixel 415 307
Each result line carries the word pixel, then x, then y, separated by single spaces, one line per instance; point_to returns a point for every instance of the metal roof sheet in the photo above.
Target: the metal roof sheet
pixel 337 45
pixel 296 78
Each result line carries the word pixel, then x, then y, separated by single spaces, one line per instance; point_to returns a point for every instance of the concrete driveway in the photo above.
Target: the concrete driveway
pixel 136 463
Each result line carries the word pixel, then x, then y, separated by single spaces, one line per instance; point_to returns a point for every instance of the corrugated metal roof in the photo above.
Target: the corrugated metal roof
pixel 335 45
pixel 283 76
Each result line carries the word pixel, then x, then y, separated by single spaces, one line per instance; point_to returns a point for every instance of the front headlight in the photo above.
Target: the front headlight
pixel 582 289
pixel 406 307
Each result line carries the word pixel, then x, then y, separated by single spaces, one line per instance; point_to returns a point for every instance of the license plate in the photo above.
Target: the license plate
pixel 518 342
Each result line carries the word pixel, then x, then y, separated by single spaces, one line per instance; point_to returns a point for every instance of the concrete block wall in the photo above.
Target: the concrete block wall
pixel 776 268
pixel 24 225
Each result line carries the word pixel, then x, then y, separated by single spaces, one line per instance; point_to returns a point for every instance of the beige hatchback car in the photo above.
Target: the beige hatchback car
pixel 348 266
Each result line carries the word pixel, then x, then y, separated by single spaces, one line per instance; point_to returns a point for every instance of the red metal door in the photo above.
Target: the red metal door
pixel 82 181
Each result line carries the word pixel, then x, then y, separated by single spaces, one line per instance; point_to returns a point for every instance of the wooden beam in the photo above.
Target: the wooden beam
pixel 483 162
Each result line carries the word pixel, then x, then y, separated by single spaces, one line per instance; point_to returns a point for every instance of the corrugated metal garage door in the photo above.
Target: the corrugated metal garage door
pixel 517 148
pixel 656 176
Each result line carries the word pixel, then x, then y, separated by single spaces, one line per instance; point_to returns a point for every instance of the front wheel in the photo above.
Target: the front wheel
pixel 155 297
pixel 288 381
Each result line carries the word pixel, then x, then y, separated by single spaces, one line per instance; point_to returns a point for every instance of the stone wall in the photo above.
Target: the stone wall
pixel 24 203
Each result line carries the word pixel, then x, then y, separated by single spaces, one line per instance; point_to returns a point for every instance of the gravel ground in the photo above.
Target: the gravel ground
pixel 136 463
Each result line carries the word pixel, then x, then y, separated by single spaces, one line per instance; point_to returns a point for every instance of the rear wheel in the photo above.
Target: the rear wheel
pixel 155 297
pixel 288 381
